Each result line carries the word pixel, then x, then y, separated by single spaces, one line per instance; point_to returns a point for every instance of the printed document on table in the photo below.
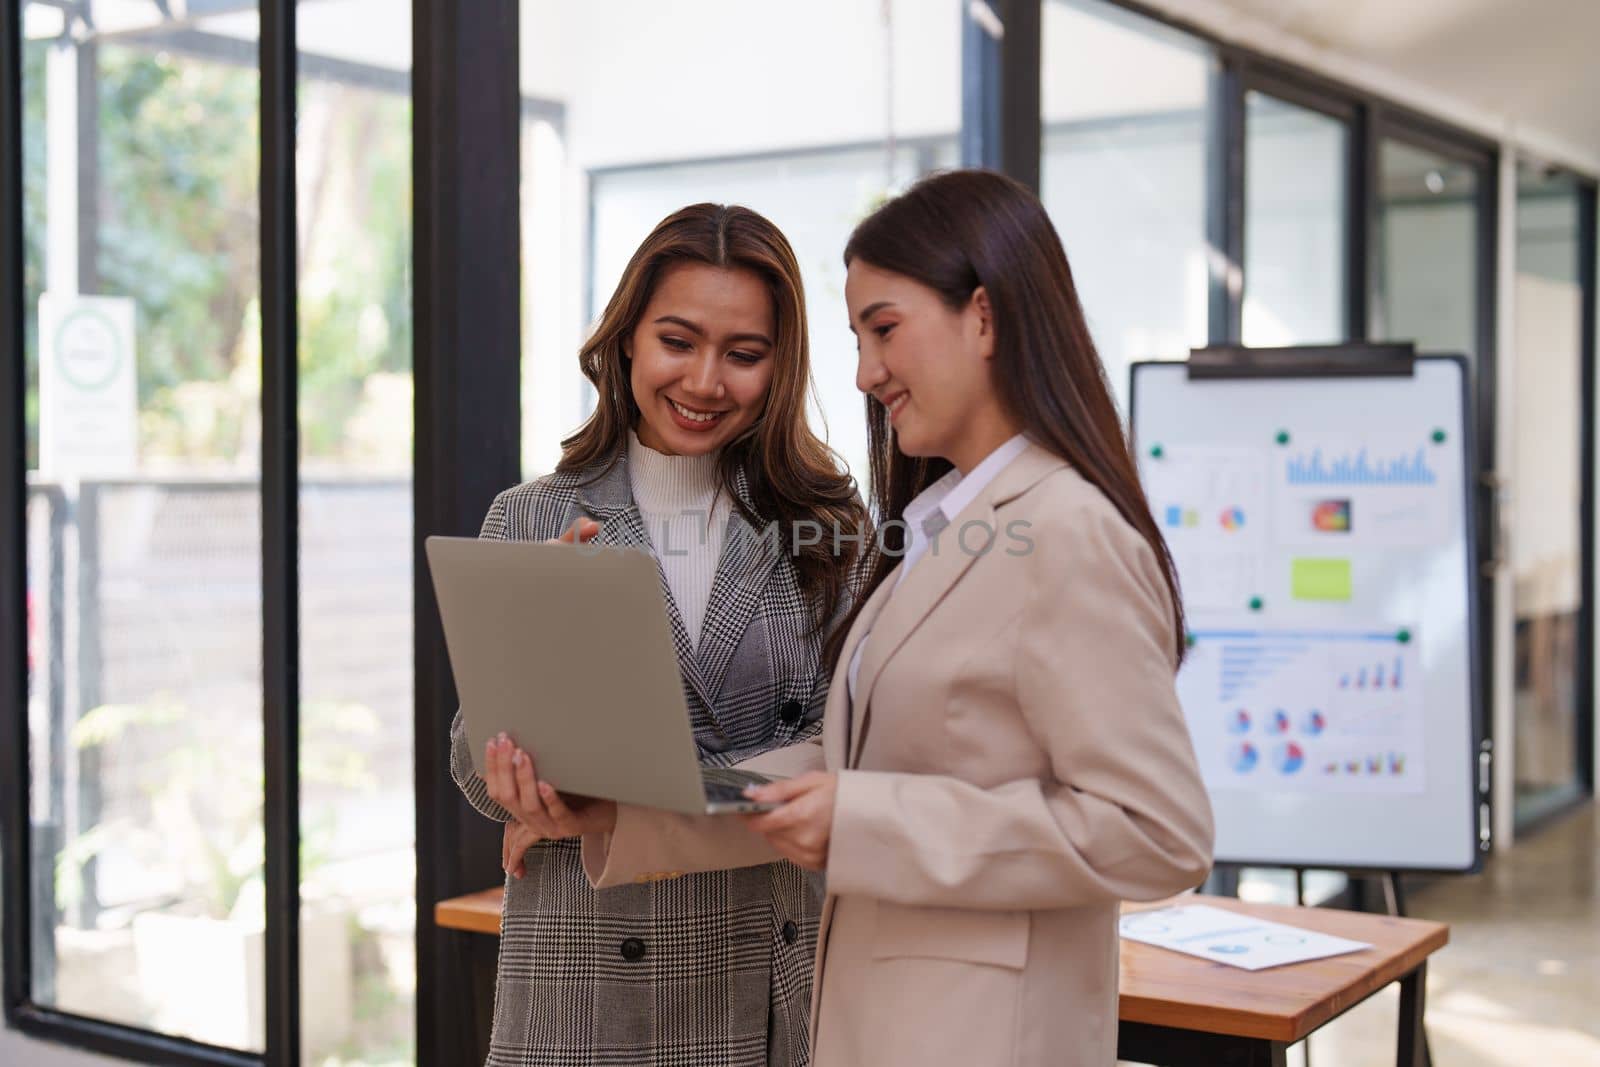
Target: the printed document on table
pixel 1231 938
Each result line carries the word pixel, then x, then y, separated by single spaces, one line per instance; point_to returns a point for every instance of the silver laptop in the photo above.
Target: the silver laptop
pixel 568 650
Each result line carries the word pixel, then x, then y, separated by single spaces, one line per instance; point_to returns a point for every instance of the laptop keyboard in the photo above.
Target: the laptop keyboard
pixel 725 785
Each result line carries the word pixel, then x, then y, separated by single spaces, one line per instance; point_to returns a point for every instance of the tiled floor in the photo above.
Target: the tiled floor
pixel 1519 984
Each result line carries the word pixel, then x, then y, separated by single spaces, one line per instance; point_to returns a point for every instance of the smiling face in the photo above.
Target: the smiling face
pixel 702 357
pixel 929 365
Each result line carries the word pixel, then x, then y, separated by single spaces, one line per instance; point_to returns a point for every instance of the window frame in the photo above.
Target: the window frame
pixel 1538 814
pixel 279 591
pixel 459 300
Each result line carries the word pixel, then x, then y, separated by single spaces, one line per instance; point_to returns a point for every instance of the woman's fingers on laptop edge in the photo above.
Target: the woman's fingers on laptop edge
pixel 583 529
pixel 497 776
pixel 529 806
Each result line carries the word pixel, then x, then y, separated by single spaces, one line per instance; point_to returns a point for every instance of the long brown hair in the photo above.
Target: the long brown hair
pixel 792 475
pixel 959 230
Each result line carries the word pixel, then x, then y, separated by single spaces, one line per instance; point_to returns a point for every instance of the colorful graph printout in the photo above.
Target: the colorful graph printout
pixel 1314 710
pixel 1229 937
pixel 1378 492
pixel 1212 507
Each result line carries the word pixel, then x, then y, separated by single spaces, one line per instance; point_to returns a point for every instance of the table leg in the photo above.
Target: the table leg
pixel 1412 1049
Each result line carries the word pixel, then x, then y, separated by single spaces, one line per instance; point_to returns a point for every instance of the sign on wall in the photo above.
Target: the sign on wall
pixel 88 400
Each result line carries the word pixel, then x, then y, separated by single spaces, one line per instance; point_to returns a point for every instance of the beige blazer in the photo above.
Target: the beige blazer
pixel 1017 764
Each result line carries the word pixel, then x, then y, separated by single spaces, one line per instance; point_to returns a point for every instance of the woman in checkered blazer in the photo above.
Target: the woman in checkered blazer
pixel 698 444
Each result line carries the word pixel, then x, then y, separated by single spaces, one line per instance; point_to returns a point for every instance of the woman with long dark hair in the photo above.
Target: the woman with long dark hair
pixel 698 444
pixel 1005 755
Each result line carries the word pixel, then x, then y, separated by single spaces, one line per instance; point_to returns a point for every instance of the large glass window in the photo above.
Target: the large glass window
pixel 1546 527
pixel 725 101
pixel 1427 284
pixel 1123 176
pixel 145 557
pixel 1295 224
pixel 142 302
pixel 357 865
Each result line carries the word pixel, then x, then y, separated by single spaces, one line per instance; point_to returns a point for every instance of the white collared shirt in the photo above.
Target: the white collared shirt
pixel 948 496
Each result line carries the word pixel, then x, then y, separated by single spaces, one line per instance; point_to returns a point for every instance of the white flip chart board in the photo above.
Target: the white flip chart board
pixel 1323 537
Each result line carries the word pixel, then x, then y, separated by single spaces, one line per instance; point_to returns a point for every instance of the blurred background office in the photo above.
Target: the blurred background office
pixel 297 283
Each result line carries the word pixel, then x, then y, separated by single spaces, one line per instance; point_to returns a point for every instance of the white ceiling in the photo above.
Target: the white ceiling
pixel 1522 70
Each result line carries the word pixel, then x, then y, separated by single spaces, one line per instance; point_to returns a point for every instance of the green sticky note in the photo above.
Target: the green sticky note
pixel 1320 579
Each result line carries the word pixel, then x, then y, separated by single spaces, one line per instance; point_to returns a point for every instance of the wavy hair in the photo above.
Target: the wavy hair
pixel 793 476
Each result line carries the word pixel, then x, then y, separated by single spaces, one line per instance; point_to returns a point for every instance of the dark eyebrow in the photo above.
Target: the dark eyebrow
pixel 759 338
pixel 685 323
pixel 872 309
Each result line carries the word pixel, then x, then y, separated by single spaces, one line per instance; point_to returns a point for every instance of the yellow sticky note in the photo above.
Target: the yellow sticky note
pixel 1320 579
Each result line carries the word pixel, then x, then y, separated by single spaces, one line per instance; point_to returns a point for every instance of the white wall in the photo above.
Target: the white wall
pixel 1097 62
pixel 646 84
pixel 649 81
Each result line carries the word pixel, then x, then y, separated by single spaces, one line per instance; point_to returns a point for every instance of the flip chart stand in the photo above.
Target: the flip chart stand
pixel 1304 361
pixel 1317 361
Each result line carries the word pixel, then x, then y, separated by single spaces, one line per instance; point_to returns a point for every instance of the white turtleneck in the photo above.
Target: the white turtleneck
pixel 686 517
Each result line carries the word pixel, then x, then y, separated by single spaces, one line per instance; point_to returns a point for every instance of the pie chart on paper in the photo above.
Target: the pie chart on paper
pixel 1243 757
pixel 1289 757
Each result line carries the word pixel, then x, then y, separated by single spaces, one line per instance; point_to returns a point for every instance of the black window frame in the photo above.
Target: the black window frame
pixel 462 304
pixel 1526 819
pixel 279 590
pixel 1387 122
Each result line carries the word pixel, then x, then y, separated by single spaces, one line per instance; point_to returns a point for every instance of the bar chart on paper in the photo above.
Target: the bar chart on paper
pixel 1360 468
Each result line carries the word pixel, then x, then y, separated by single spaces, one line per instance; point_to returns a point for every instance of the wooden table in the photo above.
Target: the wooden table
pixel 477 913
pixel 1179 1010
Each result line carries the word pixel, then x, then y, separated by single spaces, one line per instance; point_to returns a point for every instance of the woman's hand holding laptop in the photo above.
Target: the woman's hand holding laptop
pixel 536 807
pixel 802 829
pixel 539 812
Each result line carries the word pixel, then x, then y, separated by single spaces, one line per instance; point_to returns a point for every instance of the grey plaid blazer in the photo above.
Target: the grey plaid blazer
pixel 725 974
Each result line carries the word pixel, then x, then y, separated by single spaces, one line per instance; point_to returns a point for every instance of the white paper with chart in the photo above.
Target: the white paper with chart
pixel 1229 937
pixel 1319 527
